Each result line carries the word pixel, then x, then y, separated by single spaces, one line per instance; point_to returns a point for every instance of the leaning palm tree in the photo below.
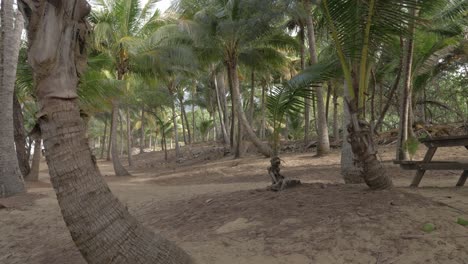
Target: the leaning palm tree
pixel 101 226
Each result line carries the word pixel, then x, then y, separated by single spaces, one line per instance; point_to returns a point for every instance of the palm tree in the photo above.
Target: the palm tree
pixel 323 141
pixel 102 228
pixel 226 34
pixel 10 40
pixel 119 26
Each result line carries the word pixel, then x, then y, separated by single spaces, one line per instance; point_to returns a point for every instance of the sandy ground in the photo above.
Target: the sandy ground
pixel 218 210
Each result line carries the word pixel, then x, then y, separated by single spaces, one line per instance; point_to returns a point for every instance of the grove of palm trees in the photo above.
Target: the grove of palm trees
pixel 233 131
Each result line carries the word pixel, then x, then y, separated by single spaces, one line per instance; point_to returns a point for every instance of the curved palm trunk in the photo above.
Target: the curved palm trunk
pixel 20 137
pixel 119 169
pixel 234 78
pixel 10 175
pixel 101 227
pixel 323 142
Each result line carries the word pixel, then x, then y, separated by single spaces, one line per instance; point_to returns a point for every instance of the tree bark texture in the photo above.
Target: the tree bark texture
pixel 323 141
pixel 101 227
pixel 119 169
pixel 20 137
pixel 11 181
pixel 349 170
pixel 262 148
pixel 184 116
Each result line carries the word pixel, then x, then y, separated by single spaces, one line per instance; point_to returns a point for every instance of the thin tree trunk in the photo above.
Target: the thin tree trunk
pixel 20 137
pixel 252 98
pixel 184 116
pixel 33 175
pixel 122 142
pixel 263 122
pixel 183 123
pixel 118 168
pixel 223 99
pixel 101 226
pixel 103 146
pixel 372 102
pixel 336 131
pixel 234 79
pixel 327 103
pixel 142 132
pixel 174 121
pixel 109 146
pixel 226 140
pixel 323 141
pixel 405 106
pixel 10 175
pixel 193 114
pixel 394 88
pixel 129 138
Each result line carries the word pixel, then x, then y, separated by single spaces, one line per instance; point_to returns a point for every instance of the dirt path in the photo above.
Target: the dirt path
pixel 217 209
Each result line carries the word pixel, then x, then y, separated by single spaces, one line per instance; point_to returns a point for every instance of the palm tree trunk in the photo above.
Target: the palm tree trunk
pixel 226 140
pixel 183 124
pixel 33 175
pixel 118 168
pixel 252 98
pixel 396 83
pixel 263 122
pixel 20 137
pixel 184 116
pixel 349 170
pixel 122 142
pixel 174 121
pixel 405 106
pixel 327 103
pixel 223 99
pixel 323 141
pixel 142 132
pixel 129 138
pixel 336 131
pixel 10 175
pixel 101 226
pixel 109 146
pixel 103 146
pixel 193 114
pixel 234 79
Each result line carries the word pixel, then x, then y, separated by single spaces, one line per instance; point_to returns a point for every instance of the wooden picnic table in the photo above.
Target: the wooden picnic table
pixel 428 164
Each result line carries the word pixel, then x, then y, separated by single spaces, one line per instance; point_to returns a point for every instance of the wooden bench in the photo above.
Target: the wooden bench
pixel 428 164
